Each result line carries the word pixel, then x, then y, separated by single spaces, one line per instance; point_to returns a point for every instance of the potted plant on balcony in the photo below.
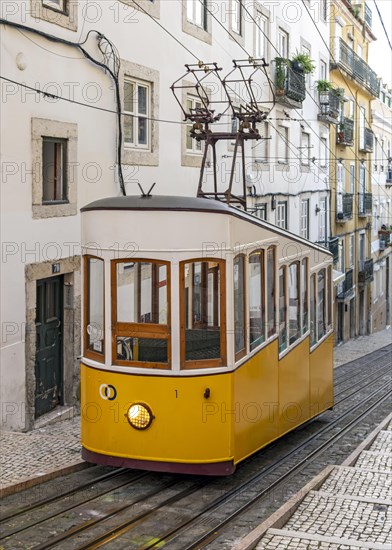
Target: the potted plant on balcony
pixel 323 86
pixel 280 74
pixel 301 63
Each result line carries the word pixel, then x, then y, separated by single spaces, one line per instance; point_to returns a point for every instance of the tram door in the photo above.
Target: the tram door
pixel 49 355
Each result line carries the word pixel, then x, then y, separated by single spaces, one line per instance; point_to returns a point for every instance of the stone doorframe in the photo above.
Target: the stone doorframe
pixel 70 269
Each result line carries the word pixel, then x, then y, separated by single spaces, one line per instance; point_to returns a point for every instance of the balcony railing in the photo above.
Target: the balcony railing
pixel 365 271
pixel 365 204
pixel 345 288
pixel 290 86
pixel 333 246
pixel 344 207
pixel 385 238
pixel 329 106
pixel 345 132
pixel 366 141
pixel 359 70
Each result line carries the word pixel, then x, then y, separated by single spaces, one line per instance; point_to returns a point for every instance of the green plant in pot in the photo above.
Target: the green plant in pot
pixel 302 63
pixel 280 74
pixel 323 86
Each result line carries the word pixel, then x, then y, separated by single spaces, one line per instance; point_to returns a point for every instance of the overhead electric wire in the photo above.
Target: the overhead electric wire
pixel 382 23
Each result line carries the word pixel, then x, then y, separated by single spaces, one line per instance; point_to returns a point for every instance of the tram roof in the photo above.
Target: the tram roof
pixel 187 204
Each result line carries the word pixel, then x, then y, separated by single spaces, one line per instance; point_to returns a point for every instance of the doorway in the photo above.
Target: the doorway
pixel 49 345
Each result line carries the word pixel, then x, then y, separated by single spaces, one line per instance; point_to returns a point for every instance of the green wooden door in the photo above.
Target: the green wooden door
pixel 49 345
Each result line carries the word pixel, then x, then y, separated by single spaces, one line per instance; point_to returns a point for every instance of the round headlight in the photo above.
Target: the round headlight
pixel 139 416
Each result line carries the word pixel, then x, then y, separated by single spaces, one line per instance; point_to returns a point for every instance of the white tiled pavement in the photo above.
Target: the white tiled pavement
pixel 351 510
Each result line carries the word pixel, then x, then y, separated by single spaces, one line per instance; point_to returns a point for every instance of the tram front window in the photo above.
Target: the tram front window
pixel 202 311
pixel 141 319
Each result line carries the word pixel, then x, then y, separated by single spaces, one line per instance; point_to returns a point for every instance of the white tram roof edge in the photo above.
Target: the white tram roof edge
pixel 190 204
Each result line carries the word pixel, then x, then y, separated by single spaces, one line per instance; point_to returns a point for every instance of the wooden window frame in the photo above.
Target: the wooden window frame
pixel 204 363
pixel 299 313
pixel 140 330
pixel 263 271
pixel 322 270
pixel 313 277
pixel 285 286
pixel 91 354
pixel 304 262
pixel 61 170
pixel 136 115
pixel 273 331
pixel 242 352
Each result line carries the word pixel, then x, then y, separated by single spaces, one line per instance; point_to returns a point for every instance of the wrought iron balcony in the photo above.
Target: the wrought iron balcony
pixel 344 207
pixel 345 288
pixel 365 271
pixel 368 16
pixel 366 141
pixel 385 238
pixel 329 106
pixel 365 204
pixel 333 246
pixel 290 87
pixel 356 67
pixel 345 132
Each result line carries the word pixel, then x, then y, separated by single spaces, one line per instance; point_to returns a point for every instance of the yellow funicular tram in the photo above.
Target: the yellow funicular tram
pixel 207 333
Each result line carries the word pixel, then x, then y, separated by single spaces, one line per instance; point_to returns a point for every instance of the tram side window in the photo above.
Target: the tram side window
pixel 141 313
pixel 256 299
pixel 271 329
pixel 329 299
pixel 294 306
pixel 313 328
pixel 239 307
pixel 304 294
pixel 321 304
pixel 202 311
pixel 94 308
pixel 282 310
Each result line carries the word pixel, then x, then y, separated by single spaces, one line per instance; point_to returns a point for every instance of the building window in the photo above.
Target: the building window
pixel 323 152
pixel 58 5
pixel 192 145
pixel 351 109
pixel 54 173
pixel 340 186
pixel 304 222
pixel 323 70
pixel 136 114
pixel 261 36
pixel 305 148
pixel 271 329
pixel 54 177
pixel 256 299
pixel 282 310
pixel 351 250
pixel 261 210
pixel 294 307
pixel 203 321
pixel 375 154
pixel 283 145
pixel 283 43
pixel 352 178
pixel 141 294
pixel 196 12
pixel 140 100
pixel 323 220
pixel 236 16
pixel 63 13
pixel 281 214
pixel 261 148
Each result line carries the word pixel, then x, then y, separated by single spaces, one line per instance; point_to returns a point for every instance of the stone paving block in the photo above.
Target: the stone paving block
pixel 347 519
pixel 375 461
pixel 279 542
pixel 383 442
pixel 25 456
pixel 354 482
